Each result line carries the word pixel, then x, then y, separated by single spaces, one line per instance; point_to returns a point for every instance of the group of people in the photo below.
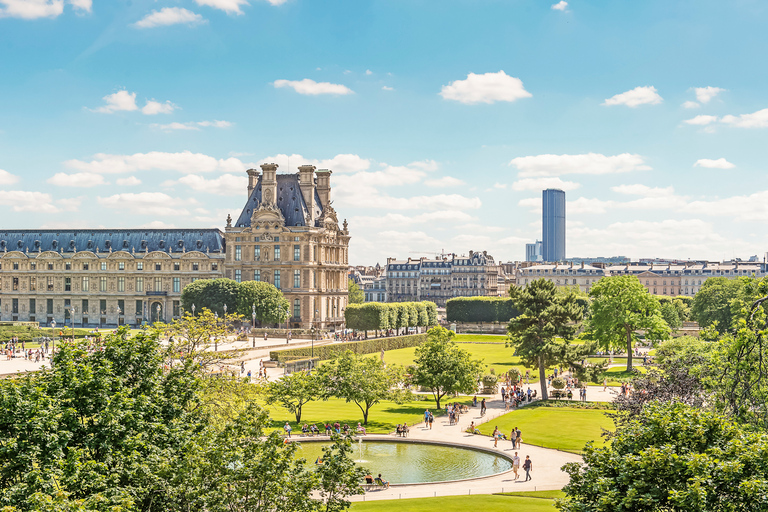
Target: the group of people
pixel 402 430
pixel 14 348
pixel 454 411
pixel 313 430
pixel 513 396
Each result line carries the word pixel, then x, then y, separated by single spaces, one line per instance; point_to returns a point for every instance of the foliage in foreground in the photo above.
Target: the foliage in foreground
pixel 671 458
pixel 119 430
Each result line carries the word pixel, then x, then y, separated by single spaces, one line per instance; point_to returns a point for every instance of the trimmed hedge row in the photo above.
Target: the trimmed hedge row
pixel 373 316
pixel 358 347
pixel 480 309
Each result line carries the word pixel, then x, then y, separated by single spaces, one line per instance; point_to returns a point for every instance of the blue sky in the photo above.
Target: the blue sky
pixel 442 121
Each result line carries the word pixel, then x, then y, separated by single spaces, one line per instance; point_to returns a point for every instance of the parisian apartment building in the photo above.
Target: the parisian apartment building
pixel 287 234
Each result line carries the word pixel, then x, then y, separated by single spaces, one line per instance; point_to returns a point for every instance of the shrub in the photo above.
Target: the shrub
pixel 480 309
pixel 358 347
pixel 374 316
pixel 558 383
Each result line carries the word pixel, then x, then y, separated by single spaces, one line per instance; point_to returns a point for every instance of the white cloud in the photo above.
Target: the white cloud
pixel 147 203
pixel 78 179
pixel 720 163
pixel 562 5
pixel 169 16
pixel 130 181
pixel 701 120
pixel 386 88
pixel 589 163
pixel 445 181
pixel 82 5
pixel 71 204
pixel 224 185
pixel 400 220
pixel 155 107
pixel 7 178
pixel 757 119
pixel 192 125
pixel 646 95
pixel 228 6
pixel 184 162
pixel 425 165
pixel 31 9
pixel 368 72
pixel 26 201
pixel 485 88
pixel 342 163
pixel 121 100
pixel 643 190
pixel 312 88
pixel 691 104
pixel 753 207
pixel 542 183
pixel 705 94
pixel 500 186
pixel 158 224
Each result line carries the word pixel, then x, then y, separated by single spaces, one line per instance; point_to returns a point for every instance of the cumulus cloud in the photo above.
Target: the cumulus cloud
pixel 691 104
pixel 757 119
pixel 169 16
pixel 562 5
pixel 645 95
pixel 82 5
pixel 192 125
pixel 224 185
pixel 445 181
pixel 485 88
pixel 542 183
pixel 589 163
pixel 386 88
pixel 228 6
pixel 753 207
pixel 706 94
pixel 399 219
pixel 701 120
pixel 720 163
pixel 27 201
pixel 184 162
pixel 7 178
pixel 147 203
pixel 155 107
pixel 342 163
pixel 130 181
pixel 78 179
pixel 311 88
pixel 121 100
pixel 31 9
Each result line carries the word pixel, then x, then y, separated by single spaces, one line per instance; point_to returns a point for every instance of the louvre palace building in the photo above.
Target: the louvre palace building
pixel 287 234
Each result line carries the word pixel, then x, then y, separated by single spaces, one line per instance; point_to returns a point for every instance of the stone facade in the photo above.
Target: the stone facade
pixel 287 234
pixel 561 274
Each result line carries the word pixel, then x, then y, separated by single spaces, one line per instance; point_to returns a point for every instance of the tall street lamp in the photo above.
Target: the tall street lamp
pixel 53 337
pixel 312 358
pixel 158 313
pixel 216 338
pixel 253 324
pixel 72 311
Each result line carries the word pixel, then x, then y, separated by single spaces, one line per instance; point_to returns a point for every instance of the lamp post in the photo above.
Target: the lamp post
pixel 253 323
pixel 312 358
pixel 53 336
pixel 72 311
pixel 216 338
pixel 158 312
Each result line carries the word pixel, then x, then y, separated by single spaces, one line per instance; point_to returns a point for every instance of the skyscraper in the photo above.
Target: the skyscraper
pixel 553 224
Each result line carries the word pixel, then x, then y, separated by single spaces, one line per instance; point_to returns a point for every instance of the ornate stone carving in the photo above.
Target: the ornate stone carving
pixel 229 220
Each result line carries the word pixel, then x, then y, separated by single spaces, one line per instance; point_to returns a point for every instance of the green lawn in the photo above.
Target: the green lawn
pixel 561 428
pixel 486 503
pixel 480 338
pixel 383 417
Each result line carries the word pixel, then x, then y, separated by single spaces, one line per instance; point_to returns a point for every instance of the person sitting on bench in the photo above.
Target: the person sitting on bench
pixel 369 479
pixel 399 430
pixel 380 481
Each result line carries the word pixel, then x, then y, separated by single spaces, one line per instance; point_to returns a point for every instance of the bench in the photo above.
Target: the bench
pixel 373 487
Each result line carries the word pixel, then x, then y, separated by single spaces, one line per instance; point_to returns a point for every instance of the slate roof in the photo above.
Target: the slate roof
pixel 289 200
pixel 140 240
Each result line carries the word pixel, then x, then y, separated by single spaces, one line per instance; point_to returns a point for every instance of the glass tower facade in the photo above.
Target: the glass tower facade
pixel 553 224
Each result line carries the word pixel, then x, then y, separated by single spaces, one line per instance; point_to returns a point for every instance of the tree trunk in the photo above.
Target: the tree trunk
pixel 629 348
pixel 298 414
pixel 543 378
pixel 365 416
pixel 437 399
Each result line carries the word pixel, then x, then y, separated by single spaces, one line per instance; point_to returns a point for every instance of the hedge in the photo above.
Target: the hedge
pixel 374 316
pixel 480 309
pixel 359 347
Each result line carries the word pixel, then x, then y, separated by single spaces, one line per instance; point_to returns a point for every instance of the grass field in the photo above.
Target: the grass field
pixel 562 428
pixel 480 338
pixel 523 502
pixel 383 418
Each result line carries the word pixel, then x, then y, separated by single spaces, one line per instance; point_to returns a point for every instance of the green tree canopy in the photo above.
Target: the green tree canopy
pixel 354 294
pixel 546 322
pixel 442 367
pixel 212 294
pixel 621 305
pixel 670 315
pixel 294 391
pixel 712 303
pixel 271 305
pixel 673 458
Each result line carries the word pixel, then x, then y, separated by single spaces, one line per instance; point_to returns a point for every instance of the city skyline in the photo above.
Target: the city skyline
pixel 435 142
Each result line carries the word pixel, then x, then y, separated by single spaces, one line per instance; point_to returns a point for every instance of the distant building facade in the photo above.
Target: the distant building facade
pixel 287 234
pixel 563 275
pixel 553 225
pixel 533 252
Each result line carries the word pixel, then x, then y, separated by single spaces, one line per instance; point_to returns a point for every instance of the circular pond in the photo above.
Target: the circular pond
pixel 411 463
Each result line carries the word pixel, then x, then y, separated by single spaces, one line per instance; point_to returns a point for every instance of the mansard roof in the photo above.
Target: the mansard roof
pixel 289 200
pixel 139 240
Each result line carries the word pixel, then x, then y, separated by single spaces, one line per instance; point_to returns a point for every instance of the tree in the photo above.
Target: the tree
pixel 442 367
pixel 212 294
pixel 546 322
pixel 365 381
pixel 338 476
pixel 670 315
pixel 355 294
pixel 194 336
pixel 293 391
pixel 621 305
pixel 674 458
pixel 271 306
pixel 712 303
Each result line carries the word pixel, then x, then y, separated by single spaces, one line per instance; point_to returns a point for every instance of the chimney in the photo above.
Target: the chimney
pixel 307 186
pixel 269 184
pixel 253 177
pixel 324 186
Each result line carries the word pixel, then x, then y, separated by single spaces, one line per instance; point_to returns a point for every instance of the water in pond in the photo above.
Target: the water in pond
pixel 401 463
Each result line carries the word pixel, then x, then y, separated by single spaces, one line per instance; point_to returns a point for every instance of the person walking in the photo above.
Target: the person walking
pixel 496 436
pixel 528 467
pixel 431 420
pixel 519 437
pixel 516 464
pixel 513 438
pixel 482 407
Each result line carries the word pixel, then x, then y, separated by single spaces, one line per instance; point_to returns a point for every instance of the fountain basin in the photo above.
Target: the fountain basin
pixel 405 461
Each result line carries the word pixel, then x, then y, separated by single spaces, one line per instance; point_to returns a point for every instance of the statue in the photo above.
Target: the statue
pixel 229 221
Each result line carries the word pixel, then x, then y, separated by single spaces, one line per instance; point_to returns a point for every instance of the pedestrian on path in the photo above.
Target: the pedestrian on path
pixel 483 408
pixel 496 436
pixel 513 437
pixel 519 437
pixel 431 420
pixel 528 467
pixel 516 464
